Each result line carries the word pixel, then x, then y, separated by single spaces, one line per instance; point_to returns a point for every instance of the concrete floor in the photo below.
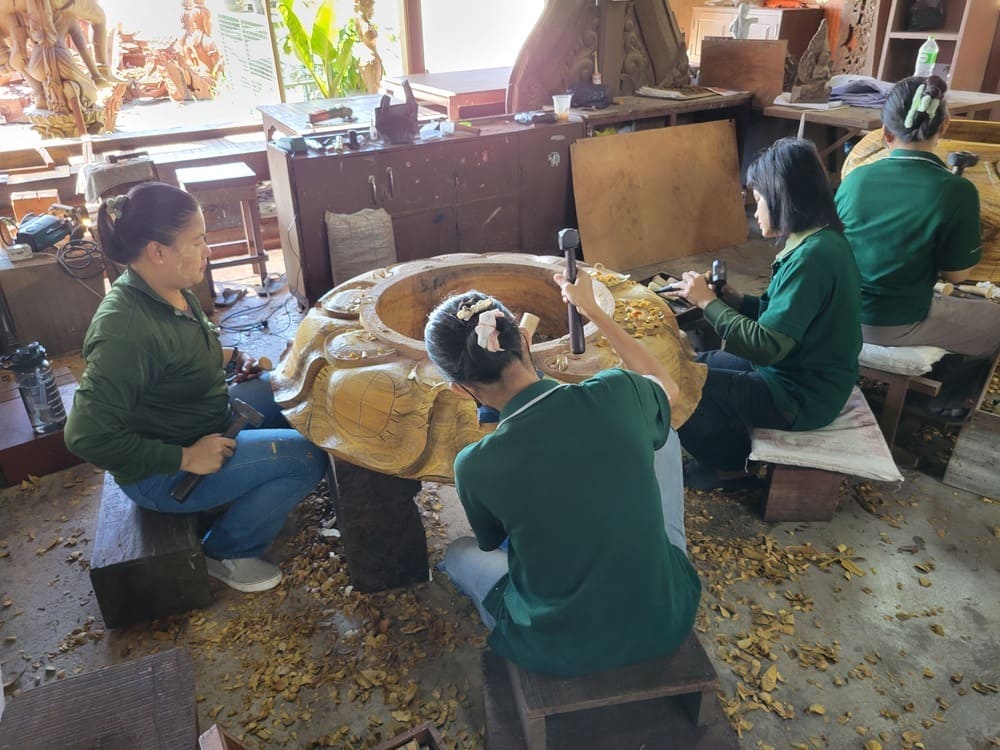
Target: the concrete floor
pixel 903 651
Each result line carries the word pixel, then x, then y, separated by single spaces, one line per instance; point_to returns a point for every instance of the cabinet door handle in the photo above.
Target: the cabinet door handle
pixel 391 177
pixel 374 188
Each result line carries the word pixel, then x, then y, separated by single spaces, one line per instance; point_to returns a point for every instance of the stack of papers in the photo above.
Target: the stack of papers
pixel 859 91
pixel 784 100
pixel 687 92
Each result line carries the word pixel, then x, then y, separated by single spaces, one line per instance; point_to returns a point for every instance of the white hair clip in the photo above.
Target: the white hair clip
pixel 115 205
pixel 487 335
pixel 465 312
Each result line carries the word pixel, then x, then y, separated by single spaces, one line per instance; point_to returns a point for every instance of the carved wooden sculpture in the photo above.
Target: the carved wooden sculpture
pixel 812 80
pixel 637 43
pixel 66 98
pixel 982 139
pixel 193 66
pixel 358 383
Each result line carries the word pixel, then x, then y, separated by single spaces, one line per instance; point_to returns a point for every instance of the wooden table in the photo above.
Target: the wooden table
pixel 292 118
pixel 638 108
pixel 456 89
pixel 857 120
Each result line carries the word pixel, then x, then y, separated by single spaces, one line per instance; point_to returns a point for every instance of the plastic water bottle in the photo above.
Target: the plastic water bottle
pixel 38 388
pixel 926 58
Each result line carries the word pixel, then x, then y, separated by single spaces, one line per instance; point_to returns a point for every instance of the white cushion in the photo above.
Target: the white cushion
pixel 902 360
pixel 851 444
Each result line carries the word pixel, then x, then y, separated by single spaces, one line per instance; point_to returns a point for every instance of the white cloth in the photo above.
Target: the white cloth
pixel 93 179
pixel 902 360
pixel 851 444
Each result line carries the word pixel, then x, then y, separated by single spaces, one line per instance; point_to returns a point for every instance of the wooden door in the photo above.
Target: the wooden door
pixel 487 186
pixel 424 234
pixel 707 22
pixel 546 185
pixel 416 178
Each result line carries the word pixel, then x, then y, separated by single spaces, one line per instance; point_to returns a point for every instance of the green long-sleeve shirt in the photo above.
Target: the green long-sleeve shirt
pixel 154 383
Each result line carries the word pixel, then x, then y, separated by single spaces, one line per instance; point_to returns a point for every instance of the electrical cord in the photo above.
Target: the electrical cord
pixel 81 259
pixel 260 324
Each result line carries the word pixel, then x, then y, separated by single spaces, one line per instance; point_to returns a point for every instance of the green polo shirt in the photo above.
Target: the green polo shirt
pixel 812 298
pixel 154 383
pixel 907 218
pixel 593 581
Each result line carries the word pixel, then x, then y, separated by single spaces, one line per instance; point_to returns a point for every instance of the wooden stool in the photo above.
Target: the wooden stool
pixel 145 703
pixel 225 184
pixel 795 493
pixel 145 564
pixel 686 673
pixel 899 386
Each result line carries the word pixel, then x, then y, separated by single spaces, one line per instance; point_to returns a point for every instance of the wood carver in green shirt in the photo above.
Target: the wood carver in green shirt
pixel 154 399
pixel 583 481
pixel 791 355
pixel 910 221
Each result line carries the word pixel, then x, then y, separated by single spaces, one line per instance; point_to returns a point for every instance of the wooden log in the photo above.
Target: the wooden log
pixel 145 564
pixel 384 541
pixel 795 493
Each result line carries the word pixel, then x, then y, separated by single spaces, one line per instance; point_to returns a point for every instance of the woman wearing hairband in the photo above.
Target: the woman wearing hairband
pixel 911 221
pixel 584 482
pixel 154 399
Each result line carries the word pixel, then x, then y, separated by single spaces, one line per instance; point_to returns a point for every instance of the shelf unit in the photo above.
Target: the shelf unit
pixel 964 42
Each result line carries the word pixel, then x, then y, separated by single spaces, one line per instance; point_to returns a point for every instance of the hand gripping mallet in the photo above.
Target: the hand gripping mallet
pixel 244 415
pixel 569 241
pixel 959 160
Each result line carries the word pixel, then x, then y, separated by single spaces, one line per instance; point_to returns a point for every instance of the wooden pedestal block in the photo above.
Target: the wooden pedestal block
pixel 146 704
pixel 384 540
pixel 668 702
pixel 799 494
pixel 22 452
pixel 145 564
pixel 32 202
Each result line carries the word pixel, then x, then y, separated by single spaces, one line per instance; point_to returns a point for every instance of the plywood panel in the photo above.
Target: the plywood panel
pixel 643 198
pixel 754 65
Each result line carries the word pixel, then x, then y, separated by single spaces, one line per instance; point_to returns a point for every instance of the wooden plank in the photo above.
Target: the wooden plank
pixel 975 463
pixel 145 564
pixel 145 704
pixel 754 65
pixel 643 198
pixel 611 51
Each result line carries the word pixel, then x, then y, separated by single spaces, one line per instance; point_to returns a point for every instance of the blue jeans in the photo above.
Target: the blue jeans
pixel 475 572
pixel 735 399
pixel 273 468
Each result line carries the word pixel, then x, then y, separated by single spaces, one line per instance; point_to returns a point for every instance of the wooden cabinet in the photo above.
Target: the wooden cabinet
pixel 505 190
pixel 964 42
pixel 796 25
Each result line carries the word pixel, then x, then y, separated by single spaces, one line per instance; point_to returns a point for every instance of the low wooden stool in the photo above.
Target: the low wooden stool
pixel 145 703
pixel 895 397
pixel 145 564
pixel 541 699
pixel 224 184
pixel 808 468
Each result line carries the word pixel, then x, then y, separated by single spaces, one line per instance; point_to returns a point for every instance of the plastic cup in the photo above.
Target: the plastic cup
pixel 560 103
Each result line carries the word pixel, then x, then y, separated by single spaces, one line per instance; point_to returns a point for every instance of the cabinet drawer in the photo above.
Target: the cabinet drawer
pixel 416 178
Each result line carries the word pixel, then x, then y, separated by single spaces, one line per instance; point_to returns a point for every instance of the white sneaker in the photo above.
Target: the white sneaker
pixel 246 574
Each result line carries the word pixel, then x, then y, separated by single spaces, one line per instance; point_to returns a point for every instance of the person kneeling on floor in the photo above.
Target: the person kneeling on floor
pixel 791 355
pixel 154 400
pixel 583 482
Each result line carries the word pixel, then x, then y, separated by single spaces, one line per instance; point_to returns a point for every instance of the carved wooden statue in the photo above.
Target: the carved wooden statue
pixel 635 43
pixel 32 38
pixel 358 383
pixel 812 79
pixel 740 27
pixel 193 65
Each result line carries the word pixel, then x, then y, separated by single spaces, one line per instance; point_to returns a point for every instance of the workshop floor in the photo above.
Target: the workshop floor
pixel 882 626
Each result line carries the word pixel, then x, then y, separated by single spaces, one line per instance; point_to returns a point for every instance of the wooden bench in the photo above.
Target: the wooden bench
pixel 895 397
pixel 145 564
pixel 144 703
pixel 614 708
pixel 802 484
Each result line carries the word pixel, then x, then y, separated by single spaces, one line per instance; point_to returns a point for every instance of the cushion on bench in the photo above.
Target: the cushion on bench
pixel 851 444
pixel 901 360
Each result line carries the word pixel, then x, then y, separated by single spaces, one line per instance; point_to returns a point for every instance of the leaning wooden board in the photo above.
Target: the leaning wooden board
pixel 647 197
pixel 975 463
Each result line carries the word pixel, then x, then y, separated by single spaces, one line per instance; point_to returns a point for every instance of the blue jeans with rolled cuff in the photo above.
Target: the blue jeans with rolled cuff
pixel 273 468
pixel 734 401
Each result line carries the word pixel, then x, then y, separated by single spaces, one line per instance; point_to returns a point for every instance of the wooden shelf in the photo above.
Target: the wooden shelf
pixel 964 42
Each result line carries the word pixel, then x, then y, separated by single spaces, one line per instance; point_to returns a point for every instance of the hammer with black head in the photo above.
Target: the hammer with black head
pixel 959 160
pixel 244 415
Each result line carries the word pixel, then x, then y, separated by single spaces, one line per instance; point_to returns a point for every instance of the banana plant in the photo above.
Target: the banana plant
pixel 326 51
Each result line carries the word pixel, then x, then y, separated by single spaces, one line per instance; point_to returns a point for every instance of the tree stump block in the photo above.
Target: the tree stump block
pixel 145 564
pixel 384 541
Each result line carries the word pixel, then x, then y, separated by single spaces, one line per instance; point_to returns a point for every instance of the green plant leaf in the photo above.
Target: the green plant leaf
pixel 300 43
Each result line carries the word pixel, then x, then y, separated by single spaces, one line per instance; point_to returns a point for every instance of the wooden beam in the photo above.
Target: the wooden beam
pixel 413 36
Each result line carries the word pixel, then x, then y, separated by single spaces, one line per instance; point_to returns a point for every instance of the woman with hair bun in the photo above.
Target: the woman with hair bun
pixel 584 483
pixel 911 221
pixel 154 401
